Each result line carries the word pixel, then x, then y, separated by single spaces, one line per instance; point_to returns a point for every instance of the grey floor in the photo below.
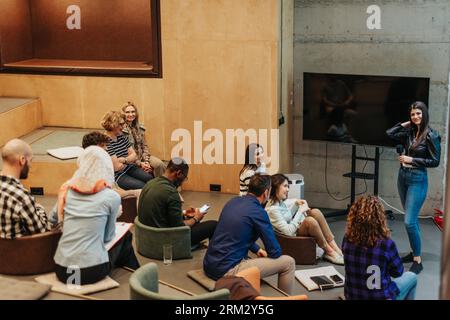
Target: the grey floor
pixel 175 273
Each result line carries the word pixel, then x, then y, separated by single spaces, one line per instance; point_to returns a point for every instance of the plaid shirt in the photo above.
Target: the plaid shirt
pixel 20 215
pixel 357 272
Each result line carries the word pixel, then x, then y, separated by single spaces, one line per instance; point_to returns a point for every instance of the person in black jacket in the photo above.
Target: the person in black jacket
pixel 422 147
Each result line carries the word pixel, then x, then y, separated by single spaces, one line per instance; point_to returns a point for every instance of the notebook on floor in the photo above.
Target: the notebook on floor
pixel 320 278
pixel 65 153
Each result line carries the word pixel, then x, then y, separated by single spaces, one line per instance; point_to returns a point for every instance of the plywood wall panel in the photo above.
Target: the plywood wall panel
pixel 61 100
pixel 15 31
pixel 20 121
pixel 110 30
pixel 220 66
pixel 222 20
pixel 151 113
pixel 101 95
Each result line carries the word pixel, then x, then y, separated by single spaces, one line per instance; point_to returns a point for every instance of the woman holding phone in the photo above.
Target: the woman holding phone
pixel 422 147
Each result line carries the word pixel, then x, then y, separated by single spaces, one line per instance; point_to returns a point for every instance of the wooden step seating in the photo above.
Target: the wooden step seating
pixel 47 172
pixel 18 117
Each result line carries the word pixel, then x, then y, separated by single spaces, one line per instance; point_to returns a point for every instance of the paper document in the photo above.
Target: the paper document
pixel 66 152
pixel 121 229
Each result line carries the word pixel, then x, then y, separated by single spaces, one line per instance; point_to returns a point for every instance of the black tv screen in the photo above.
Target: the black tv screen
pixel 357 109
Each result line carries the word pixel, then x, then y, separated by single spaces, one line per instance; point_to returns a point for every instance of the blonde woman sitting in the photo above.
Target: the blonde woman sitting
pixel 136 135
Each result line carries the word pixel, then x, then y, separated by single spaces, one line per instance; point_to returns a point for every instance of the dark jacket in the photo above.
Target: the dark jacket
pixel 243 221
pixel 160 204
pixel 426 154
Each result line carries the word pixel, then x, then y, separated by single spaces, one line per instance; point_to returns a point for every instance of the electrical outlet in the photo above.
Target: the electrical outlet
pixel 37 191
pixel 215 187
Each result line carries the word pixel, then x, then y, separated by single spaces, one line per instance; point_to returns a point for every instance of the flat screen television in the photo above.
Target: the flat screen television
pixel 357 109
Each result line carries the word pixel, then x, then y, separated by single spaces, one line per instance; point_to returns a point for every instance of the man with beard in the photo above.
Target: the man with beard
pixel 242 222
pixel 160 204
pixel 20 215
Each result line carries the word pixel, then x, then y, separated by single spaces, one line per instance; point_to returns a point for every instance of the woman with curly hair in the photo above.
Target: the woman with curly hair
pixel 127 174
pixel 373 268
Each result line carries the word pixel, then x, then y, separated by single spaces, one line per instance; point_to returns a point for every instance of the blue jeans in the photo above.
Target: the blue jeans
pixel 134 178
pixel 406 283
pixel 412 187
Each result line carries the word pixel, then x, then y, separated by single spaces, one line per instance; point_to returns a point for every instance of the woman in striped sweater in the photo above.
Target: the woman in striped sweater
pixel 127 175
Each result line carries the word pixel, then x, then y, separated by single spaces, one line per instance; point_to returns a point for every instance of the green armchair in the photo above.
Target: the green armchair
pixel 144 286
pixel 150 241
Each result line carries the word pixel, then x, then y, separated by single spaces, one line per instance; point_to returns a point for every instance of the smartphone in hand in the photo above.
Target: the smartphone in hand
pixel 204 208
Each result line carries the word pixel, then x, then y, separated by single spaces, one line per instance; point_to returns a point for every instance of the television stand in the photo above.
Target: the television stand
pixel 353 175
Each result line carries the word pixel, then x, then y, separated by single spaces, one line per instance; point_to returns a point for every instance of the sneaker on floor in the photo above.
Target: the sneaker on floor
pixel 319 252
pixel 416 267
pixel 338 259
pixel 408 258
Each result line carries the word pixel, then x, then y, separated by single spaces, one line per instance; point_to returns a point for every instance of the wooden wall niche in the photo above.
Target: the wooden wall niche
pixel 81 37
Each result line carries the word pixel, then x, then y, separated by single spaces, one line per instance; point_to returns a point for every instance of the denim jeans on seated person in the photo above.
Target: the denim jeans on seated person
pixel 406 283
pixel 134 178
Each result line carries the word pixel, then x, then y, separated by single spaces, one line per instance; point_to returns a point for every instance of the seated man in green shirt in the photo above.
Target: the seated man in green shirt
pixel 160 204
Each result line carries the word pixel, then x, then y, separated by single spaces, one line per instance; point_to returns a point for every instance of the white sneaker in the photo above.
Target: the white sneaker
pixel 338 259
pixel 319 252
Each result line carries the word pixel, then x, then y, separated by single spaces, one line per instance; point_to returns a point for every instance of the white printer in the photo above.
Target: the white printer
pixel 296 186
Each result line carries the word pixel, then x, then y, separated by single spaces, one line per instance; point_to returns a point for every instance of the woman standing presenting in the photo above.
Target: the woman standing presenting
pixel 422 147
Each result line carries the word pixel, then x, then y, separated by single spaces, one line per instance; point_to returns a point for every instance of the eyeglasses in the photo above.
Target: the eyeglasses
pixel 185 176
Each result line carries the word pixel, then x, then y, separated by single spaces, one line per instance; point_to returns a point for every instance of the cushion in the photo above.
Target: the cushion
pixel 11 289
pixel 240 289
pixel 58 286
pixel 202 279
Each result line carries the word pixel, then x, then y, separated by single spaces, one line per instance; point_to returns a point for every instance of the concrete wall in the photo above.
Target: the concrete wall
pixel 220 66
pixel 332 37
pixel 285 83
